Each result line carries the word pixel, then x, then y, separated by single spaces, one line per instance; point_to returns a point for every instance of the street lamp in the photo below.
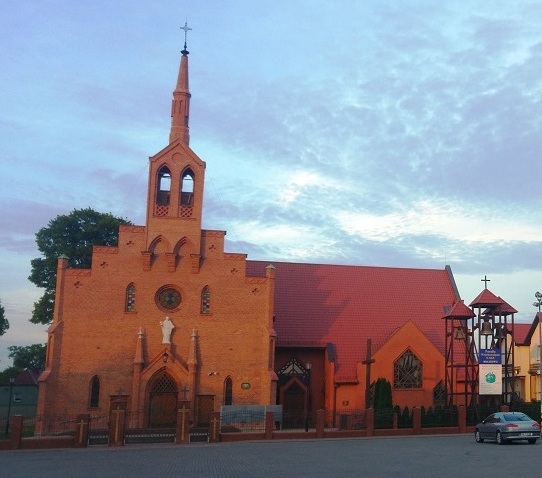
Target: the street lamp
pixel 538 304
pixel 11 380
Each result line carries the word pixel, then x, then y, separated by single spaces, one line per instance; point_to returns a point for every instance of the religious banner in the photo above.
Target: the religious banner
pixel 490 372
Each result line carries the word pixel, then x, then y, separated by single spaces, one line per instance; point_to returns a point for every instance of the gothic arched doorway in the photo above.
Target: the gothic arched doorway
pixel 294 399
pixel 294 393
pixel 162 402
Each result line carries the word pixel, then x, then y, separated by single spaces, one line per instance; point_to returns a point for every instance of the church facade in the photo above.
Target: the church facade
pixel 169 316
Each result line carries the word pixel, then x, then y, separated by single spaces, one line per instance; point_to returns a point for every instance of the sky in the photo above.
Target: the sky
pixel 384 133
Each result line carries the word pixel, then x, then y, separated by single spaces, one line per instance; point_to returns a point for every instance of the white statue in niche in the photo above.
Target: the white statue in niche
pixel 167 327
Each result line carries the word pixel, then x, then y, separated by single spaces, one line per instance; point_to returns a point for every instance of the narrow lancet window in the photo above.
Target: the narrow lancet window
pixel 228 391
pixel 130 298
pixel 206 300
pixel 94 392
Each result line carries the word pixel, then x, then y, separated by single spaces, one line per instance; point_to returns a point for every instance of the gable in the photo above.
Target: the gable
pixel 177 150
pixel 408 337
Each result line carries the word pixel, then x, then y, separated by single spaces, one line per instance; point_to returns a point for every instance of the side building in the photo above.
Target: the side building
pixel 340 328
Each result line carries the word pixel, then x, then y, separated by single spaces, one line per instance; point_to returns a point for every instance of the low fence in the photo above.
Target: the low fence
pixel 392 418
pixel 249 418
pixel 356 423
pixel 343 419
pixel 113 430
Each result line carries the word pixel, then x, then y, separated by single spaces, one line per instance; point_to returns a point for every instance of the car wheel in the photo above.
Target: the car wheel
pixel 499 439
pixel 478 437
pixel 531 441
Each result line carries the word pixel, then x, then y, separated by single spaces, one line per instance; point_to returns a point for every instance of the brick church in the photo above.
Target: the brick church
pixel 169 316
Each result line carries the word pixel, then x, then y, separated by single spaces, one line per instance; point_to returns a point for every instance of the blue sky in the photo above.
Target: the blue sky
pixel 404 133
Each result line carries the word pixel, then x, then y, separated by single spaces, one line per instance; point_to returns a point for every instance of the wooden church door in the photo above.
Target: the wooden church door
pixel 293 393
pixel 163 402
pixel 294 406
pixel 206 404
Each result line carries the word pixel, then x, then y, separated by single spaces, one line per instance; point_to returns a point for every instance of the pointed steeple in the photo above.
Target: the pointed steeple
pixel 180 105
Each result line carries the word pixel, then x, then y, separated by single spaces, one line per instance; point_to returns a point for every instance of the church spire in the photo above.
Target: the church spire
pixel 180 105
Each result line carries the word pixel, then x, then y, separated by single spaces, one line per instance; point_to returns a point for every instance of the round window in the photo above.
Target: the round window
pixel 168 298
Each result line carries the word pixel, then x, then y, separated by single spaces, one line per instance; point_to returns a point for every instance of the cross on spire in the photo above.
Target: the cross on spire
pixel 186 30
pixel 485 280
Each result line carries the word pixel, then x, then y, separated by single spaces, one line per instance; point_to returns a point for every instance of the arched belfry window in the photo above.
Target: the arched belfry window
pixel 206 300
pixel 407 371
pixel 163 186
pixel 94 401
pixel 187 188
pixel 129 305
pixel 228 391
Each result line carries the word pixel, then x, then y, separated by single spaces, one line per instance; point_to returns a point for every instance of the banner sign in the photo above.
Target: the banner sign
pixel 490 372
pixel 490 356
pixel 490 379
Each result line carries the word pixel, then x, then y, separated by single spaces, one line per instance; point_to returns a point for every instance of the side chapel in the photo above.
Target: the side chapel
pixel 168 316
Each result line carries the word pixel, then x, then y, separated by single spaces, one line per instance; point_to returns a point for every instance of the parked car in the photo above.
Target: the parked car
pixel 507 426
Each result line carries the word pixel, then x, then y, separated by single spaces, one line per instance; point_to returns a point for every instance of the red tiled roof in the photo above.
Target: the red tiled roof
pixel 486 298
pixel 522 333
pixel 317 304
pixel 459 311
pixel 505 308
pixel 28 376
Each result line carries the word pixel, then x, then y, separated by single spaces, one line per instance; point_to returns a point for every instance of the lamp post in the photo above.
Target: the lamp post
pixel 11 380
pixel 538 304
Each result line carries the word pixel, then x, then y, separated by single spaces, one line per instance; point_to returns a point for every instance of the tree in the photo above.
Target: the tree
pixel 4 324
pixel 71 235
pixel 382 395
pixel 29 356
pixel 7 373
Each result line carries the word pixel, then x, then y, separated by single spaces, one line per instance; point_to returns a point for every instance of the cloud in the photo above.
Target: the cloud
pixel 405 134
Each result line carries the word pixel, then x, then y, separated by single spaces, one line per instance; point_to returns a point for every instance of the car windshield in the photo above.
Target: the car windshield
pixel 520 417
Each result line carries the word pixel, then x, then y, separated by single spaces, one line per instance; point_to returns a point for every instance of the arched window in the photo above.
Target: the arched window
pixel 129 305
pixel 205 300
pixel 294 368
pixel 164 384
pixel 94 401
pixel 407 371
pixel 439 395
pixel 228 391
pixel 163 186
pixel 187 188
